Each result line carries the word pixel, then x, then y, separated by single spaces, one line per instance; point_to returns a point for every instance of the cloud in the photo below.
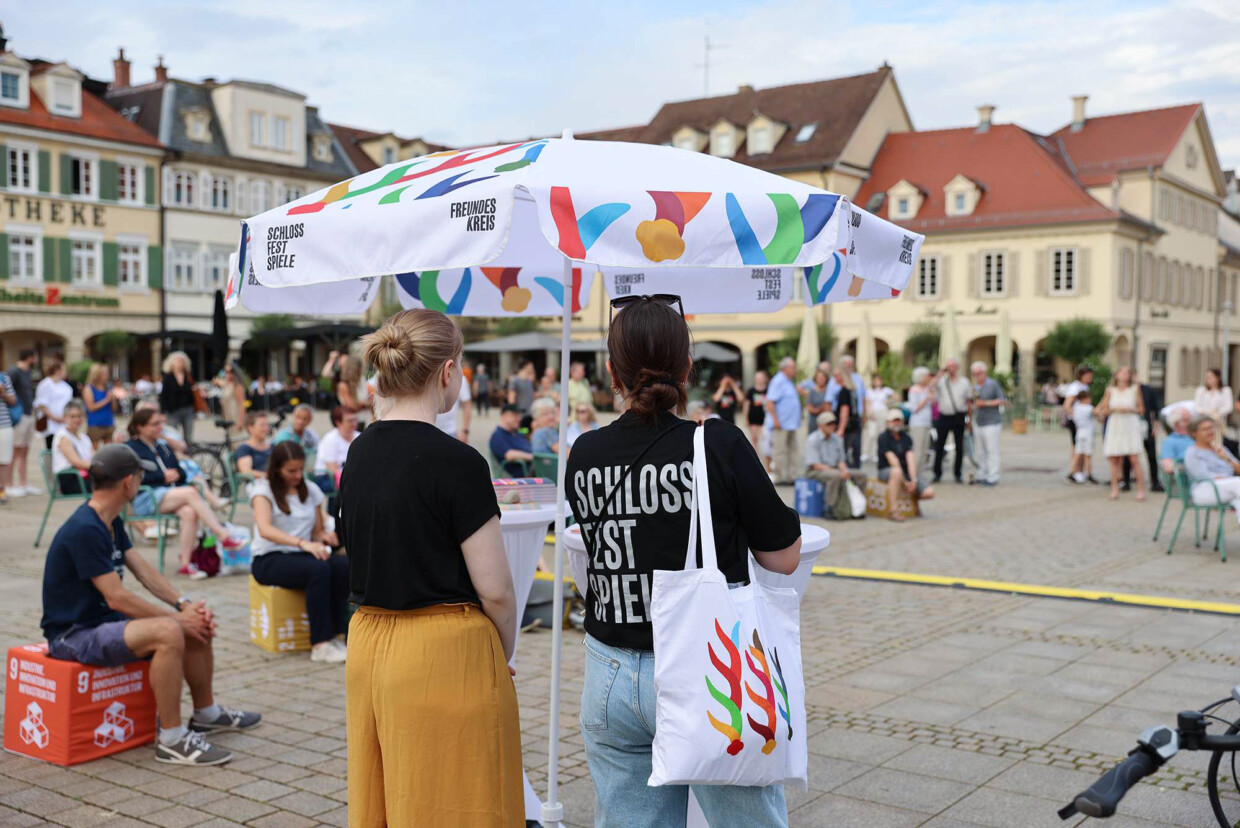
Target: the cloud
pixel 476 73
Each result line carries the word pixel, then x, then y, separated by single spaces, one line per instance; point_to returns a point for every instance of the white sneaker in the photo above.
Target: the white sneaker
pixel 32 490
pixel 17 491
pixel 327 653
pixel 340 645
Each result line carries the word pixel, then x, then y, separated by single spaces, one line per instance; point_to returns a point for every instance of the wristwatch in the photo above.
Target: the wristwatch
pixel 180 602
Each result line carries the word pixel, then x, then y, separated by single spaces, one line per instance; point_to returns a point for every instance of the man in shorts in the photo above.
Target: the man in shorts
pixel 897 464
pixel 90 617
pixel 23 431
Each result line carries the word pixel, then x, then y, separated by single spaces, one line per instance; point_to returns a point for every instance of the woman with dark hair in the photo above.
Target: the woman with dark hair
pixel 1214 400
pixel 636 522
pixel 169 491
pixel 293 548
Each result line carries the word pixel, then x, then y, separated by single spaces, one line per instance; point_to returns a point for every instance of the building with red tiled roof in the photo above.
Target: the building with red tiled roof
pixel 370 150
pixel 81 243
pixel 1113 218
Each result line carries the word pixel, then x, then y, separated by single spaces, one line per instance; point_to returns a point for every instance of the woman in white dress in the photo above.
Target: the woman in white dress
pixel 1214 400
pixel 1123 410
pixel 876 400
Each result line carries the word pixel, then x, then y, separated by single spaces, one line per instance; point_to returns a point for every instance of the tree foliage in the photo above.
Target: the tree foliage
pixel 113 344
pixel 1078 340
pixel 791 341
pixel 895 373
pixel 922 343
pixel 513 325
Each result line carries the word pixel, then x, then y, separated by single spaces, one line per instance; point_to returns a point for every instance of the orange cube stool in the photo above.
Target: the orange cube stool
pixel 67 713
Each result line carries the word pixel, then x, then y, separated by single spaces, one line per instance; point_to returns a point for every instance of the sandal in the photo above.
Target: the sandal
pixel 896 518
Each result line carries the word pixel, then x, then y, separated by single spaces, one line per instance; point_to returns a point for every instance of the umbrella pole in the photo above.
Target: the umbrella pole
pixel 552 810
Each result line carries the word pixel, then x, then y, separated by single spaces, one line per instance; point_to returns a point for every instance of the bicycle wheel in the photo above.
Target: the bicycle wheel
pixel 213 469
pixel 1229 816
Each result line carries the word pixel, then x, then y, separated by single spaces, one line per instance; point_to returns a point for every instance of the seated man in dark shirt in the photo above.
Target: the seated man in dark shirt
pixel 509 446
pixel 897 464
pixel 90 617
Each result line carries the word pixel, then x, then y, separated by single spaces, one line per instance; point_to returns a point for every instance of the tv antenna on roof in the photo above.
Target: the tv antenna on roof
pixel 708 47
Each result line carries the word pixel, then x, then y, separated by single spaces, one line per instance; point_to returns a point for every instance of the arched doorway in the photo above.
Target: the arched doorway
pixel 1122 349
pixel 44 343
pixel 714 359
pixel 126 358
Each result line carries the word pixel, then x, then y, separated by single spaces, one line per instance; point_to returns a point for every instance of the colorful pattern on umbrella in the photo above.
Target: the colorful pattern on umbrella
pixel 401 174
pixel 514 298
pixel 577 235
pixel 424 287
pixel 662 239
pixel 794 227
pixel 731 702
pixel 818 290
pixel 556 288
pixel 782 686
pixel 766 701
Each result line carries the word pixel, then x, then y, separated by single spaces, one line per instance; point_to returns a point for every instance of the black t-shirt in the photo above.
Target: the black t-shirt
pixel 899 445
pixel 409 497
pixel 646 525
pixel 82 549
pixel 726 407
pixel 845 398
pixel 757 406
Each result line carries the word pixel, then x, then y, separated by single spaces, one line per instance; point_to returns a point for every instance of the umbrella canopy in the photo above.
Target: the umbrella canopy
pixel 219 335
pixel 867 357
pixel 949 338
pixel 808 349
pixel 1003 344
pixel 512 230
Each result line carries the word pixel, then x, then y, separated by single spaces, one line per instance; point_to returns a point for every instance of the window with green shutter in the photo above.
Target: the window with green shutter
pixel 107 180
pixel 4 166
pixel 49 259
pixel 64 260
pixel 150 184
pixel 66 174
pixel 111 263
pixel 4 256
pixel 45 171
pixel 155 266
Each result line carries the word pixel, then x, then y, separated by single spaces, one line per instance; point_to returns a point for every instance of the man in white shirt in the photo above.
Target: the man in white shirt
pixel 462 410
pixel 1084 379
pixel 334 447
pixel 954 393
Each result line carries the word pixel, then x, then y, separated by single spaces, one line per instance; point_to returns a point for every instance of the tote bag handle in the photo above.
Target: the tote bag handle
pixel 701 508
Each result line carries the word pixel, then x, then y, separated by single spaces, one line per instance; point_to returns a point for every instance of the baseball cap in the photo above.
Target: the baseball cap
pixel 509 408
pixel 825 418
pixel 895 414
pixel 116 462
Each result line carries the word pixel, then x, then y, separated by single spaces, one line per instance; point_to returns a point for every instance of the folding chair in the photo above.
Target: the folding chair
pixel 52 485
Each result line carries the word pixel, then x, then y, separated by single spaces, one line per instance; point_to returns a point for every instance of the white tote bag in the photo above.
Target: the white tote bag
pixel 730 694
pixel 856 499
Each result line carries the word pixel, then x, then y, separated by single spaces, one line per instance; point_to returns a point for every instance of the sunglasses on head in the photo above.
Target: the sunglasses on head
pixel 622 302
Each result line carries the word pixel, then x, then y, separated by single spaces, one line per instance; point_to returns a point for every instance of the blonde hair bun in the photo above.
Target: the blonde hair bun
pixel 409 350
pixel 389 350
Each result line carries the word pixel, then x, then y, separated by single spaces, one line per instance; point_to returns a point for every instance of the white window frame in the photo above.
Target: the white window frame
pixel 184 182
pixel 91 162
pixel 137 282
pixel 184 255
pixel 94 258
pixel 35 232
pixel 31 153
pixel 215 257
pixel 389 155
pixel 903 207
pixel 138 179
pixel 1062 256
pixel 66 87
pixel 323 148
pixel 999 282
pixel 761 140
pixel 929 273
pixel 264 204
pixel 688 141
pixel 221 196
pixel 281 132
pixel 721 140
pixel 960 203
pixel 258 126
pixel 292 192
pixel 17 79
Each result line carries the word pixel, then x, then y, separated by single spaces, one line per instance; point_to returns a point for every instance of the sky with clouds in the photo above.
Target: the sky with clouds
pixel 473 73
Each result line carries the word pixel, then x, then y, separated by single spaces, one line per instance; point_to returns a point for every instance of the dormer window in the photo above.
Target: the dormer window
pixel 723 139
pixel 10 87
pixel 760 140
pixel 688 138
pixel 64 94
pixel 198 124
pixel 961 195
pixel 958 202
pixel 322 147
pixel 59 87
pixel 14 81
pixel 389 155
pixel 906 199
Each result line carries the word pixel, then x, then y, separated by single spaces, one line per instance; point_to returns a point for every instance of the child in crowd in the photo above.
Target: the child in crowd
pixel 1083 418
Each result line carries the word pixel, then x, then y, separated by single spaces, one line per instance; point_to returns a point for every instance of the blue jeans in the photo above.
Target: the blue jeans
pixel 617 723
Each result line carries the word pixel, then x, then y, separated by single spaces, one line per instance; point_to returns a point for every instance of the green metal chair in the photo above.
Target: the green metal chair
pixel 52 485
pixel 1182 490
pixel 498 470
pixel 162 523
pixel 546 465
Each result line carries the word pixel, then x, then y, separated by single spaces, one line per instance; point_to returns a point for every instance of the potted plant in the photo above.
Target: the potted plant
pixel 1020 412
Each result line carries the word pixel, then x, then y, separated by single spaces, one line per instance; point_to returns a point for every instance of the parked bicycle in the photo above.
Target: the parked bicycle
pixel 215 458
pixel 1156 746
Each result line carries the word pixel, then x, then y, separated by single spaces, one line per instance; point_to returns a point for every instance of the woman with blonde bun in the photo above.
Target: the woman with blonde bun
pixel 431 710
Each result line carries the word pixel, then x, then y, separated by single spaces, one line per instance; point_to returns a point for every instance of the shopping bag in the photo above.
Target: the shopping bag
pixel 729 691
pixel 856 499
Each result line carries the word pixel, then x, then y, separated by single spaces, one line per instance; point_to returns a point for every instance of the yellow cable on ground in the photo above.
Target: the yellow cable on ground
pixel 1127 599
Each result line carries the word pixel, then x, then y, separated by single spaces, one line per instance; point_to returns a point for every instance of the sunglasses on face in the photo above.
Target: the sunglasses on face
pixel 622 302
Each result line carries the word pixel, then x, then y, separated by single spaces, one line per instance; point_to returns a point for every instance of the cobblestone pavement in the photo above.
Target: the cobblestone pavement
pixel 927 706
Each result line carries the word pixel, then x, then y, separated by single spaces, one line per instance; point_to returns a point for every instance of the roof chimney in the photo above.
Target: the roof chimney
pixel 120 71
pixel 985 113
pixel 161 71
pixel 743 88
pixel 1078 112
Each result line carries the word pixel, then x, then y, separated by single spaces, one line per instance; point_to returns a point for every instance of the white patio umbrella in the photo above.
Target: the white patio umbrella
pixel 808 347
pixel 949 338
pixel 867 355
pixel 1003 344
pixel 513 230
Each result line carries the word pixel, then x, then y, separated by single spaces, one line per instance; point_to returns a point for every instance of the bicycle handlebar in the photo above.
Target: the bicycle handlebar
pixel 1103 796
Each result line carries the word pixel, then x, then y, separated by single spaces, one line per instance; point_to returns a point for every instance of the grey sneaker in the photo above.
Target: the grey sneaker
pixel 193 749
pixel 228 719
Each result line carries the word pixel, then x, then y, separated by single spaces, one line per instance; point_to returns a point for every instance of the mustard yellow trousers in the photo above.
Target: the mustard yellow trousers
pixel 433 730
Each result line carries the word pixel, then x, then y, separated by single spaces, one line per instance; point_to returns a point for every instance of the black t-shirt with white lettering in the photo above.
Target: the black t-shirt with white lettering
pixel 409 497
pixel 645 526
